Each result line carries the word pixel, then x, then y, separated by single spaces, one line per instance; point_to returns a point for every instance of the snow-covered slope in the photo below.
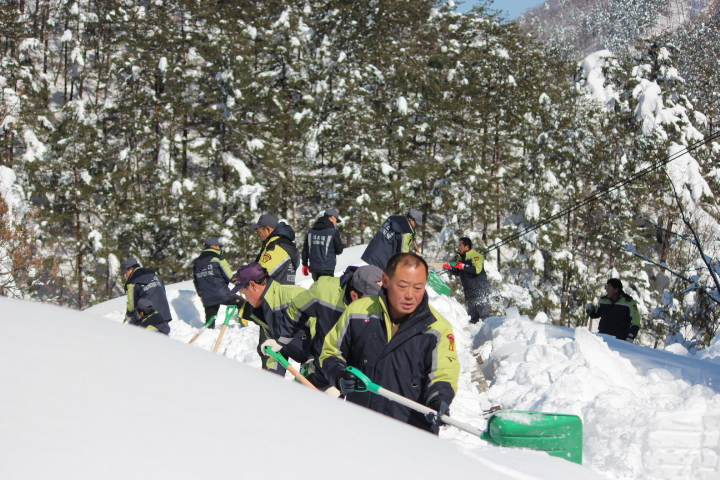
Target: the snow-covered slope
pixel 83 397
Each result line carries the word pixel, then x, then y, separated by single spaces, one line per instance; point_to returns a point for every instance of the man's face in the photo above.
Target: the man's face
pixel 264 232
pixel 333 220
pixel 405 290
pixel 463 248
pixel 253 293
pixel 612 292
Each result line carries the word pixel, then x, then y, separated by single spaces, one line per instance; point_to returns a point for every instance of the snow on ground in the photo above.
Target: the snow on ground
pixel 85 398
pixel 89 399
pixel 647 414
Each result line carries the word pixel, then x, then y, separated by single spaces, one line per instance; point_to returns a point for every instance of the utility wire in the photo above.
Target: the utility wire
pixel 601 193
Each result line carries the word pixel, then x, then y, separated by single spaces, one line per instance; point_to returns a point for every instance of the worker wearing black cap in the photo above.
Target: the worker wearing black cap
pixel 397 235
pixel 211 276
pixel 322 245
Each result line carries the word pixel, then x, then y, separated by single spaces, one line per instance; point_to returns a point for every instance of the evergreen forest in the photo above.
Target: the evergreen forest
pixel 142 127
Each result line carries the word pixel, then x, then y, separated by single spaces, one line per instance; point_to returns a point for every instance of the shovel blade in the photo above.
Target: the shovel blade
pixel 437 284
pixel 557 434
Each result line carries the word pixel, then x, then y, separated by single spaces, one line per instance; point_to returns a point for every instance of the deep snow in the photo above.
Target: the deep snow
pixel 134 401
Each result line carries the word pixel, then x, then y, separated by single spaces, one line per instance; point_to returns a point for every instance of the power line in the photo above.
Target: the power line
pixel 603 192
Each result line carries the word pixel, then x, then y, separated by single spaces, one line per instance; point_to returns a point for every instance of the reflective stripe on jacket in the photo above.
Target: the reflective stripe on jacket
pixel 211 276
pixel 619 317
pixel 396 235
pixel 145 283
pixel 419 362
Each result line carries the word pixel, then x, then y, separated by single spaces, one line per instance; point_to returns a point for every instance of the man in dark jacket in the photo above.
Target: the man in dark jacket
pixel 279 255
pixel 618 312
pixel 144 283
pixel 211 276
pixel 322 245
pixel 322 305
pixel 396 235
pixel 267 302
pixel 470 267
pixel 146 317
pixel 400 342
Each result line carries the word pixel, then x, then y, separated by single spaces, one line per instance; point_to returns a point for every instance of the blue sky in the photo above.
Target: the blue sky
pixel 511 8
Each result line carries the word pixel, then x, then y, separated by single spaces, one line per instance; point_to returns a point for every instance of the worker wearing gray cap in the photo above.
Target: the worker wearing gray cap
pixel 279 254
pixel 326 301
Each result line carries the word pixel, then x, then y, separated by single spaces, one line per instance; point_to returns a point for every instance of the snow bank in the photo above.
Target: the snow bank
pixel 646 413
pixel 84 398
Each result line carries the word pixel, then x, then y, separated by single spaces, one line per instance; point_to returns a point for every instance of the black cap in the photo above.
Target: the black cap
pixel 128 264
pixel 144 304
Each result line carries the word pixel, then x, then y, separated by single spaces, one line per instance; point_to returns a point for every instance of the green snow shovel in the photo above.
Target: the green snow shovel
pixel 437 284
pixel 230 312
pixel 557 434
pixel 283 361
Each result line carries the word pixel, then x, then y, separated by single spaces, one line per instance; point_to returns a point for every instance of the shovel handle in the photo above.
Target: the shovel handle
pixel 418 407
pixel 283 361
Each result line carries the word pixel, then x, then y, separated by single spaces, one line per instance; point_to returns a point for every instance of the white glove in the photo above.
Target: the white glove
pixel 274 346
pixel 333 392
pixel 589 307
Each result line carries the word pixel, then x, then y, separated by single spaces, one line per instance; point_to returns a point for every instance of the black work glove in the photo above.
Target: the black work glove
pixel 634 330
pixel 442 408
pixel 347 382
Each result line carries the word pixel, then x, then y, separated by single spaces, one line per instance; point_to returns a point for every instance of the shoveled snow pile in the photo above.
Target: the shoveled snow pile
pixel 84 398
pixel 646 413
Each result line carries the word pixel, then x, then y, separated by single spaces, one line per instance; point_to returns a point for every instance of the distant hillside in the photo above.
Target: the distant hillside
pixel 579 27
pixel 583 26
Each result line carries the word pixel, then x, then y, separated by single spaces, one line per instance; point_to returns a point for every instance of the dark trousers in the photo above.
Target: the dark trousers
pixel 477 309
pixel 212 310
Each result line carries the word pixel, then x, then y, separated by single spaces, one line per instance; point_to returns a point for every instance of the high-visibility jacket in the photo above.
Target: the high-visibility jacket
pixel 273 318
pixel 279 255
pixel 151 322
pixel 419 362
pixel 395 236
pixel 472 275
pixel 618 318
pixel 211 276
pixel 319 308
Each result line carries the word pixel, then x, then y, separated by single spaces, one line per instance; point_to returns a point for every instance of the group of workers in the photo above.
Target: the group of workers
pixel 375 318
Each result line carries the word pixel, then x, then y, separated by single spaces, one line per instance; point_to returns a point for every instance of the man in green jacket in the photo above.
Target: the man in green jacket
pixel 400 342
pixel 322 305
pixel 618 312
pixel 470 267
pixel 271 300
